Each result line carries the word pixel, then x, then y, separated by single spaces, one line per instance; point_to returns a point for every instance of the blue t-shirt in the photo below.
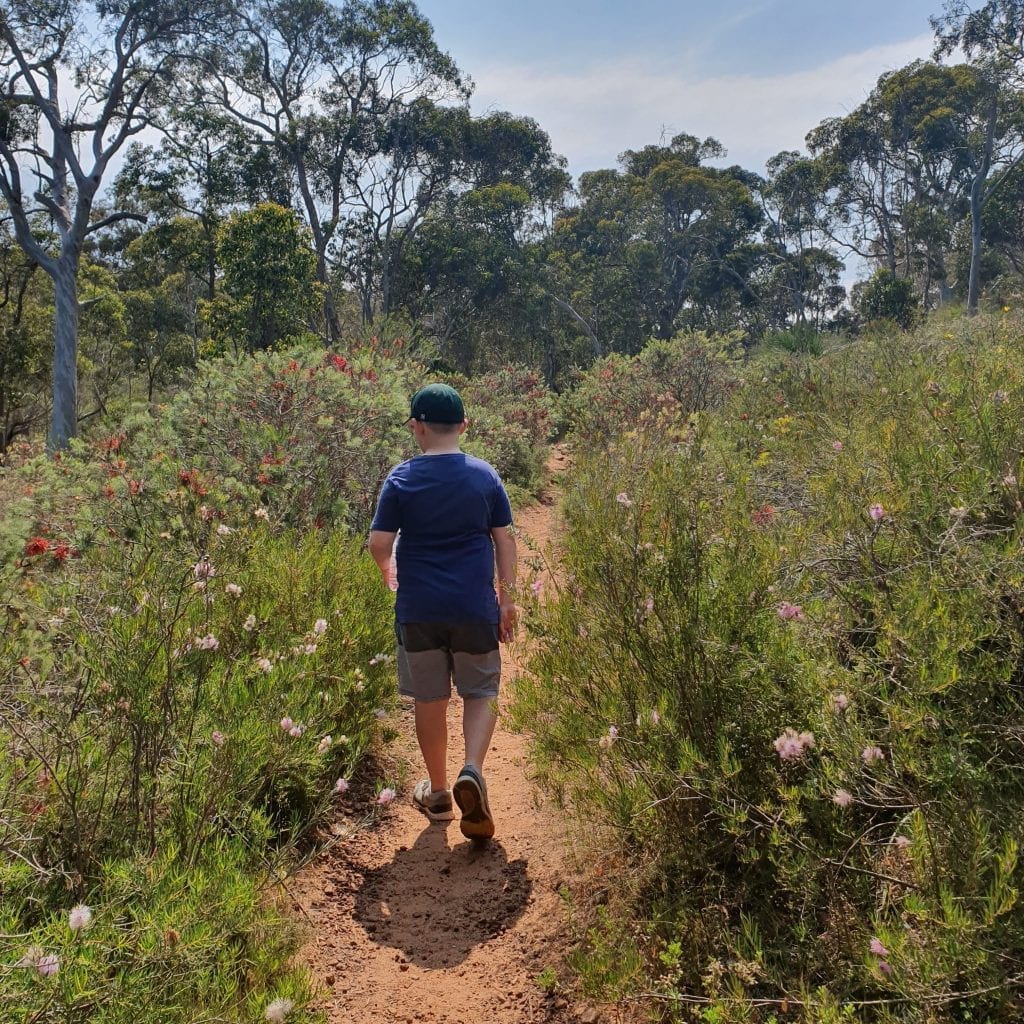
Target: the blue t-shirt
pixel 445 507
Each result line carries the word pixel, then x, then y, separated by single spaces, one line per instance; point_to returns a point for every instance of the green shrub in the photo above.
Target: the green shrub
pixel 781 681
pixel 693 371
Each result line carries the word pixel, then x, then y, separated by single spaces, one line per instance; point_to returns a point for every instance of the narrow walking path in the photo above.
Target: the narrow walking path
pixel 410 923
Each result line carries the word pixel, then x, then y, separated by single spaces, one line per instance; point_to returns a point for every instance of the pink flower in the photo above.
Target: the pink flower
pixel 296 731
pixel 386 796
pixel 208 643
pixel 324 745
pixel 203 569
pixel 901 842
pixel 265 664
pixel 624 499
pixel 47 965
pixel 842 798
pixel 791 745
pixel 341 786
pixel 233 589
pixel 840 702
pixel 319 627
pixel 217 738
pixel 649 604
pixel 655 717
pixel 537 586
pixel 876 512
pixel 837 446
pixel 80 918
pixel 379 714
pixel 224 531
pixel 250 624
pixel 877 948
pixel 885 967
pixel 286 723
pixel 261 513
pixel 787 611
pixel 1010 480
pixel 870 754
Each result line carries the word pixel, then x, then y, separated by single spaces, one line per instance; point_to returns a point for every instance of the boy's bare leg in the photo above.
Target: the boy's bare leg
pixel 478 721
pixel 432 734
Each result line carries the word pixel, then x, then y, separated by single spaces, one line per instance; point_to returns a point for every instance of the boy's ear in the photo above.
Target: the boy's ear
pixel 462 426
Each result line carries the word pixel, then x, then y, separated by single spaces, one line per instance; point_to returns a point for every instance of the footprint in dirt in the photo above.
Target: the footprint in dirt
pixel 435 902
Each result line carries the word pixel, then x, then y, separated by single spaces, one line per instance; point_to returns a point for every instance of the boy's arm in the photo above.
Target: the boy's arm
pixel 505 561
pixel 381 543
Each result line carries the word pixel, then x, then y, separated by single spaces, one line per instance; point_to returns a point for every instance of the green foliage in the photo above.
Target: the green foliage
pixel 195 648
pixel 269 285
pixel 691 372
pixel 779 681
pixel 510 413
pixel 888 297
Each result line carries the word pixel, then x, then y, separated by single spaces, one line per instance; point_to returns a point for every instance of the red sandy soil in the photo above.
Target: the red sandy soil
pixel 409 922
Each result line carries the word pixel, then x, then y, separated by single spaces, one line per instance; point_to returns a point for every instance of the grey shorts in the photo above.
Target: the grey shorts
pixel 431 654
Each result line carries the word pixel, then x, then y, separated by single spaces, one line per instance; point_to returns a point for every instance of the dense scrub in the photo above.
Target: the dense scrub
pixel 781 681
pixel 195 660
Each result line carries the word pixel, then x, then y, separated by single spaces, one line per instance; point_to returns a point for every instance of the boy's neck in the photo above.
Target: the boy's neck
pixel 445 447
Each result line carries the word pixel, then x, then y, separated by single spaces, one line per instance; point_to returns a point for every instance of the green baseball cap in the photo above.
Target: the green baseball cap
pixel 437 403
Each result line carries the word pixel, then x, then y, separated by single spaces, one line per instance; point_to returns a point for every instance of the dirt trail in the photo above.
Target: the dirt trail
pixel 410 923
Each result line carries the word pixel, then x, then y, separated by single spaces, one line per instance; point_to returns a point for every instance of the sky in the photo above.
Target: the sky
pixel 604 76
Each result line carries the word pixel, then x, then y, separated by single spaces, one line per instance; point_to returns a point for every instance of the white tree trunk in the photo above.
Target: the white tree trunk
pixel 64 419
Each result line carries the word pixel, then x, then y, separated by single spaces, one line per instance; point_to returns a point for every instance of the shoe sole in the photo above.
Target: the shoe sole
pixel 476 822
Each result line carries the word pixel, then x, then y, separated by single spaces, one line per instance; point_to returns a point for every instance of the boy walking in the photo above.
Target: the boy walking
pixel 453 521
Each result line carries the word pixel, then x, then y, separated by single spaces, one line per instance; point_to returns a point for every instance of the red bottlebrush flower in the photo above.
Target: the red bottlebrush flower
pixel 263 478
pixel 24 662
pixel 764 515
pixel 292 366
pixel 339 362
pixel 135 486
pixel 371 376
pixel 108 491
pixel 37 546
pixel 61 552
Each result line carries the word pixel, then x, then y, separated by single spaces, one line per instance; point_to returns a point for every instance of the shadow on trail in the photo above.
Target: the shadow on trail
pixel 436 902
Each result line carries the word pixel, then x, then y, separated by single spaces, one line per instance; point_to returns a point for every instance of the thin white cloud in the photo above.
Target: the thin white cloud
pixel 593 114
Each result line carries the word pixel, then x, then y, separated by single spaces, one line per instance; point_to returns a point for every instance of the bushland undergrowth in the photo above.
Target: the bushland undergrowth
pixel 195 658
pixel 781 680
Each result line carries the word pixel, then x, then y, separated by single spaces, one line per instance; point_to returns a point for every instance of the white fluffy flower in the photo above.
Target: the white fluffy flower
pixel 278 1010
pixel 80 918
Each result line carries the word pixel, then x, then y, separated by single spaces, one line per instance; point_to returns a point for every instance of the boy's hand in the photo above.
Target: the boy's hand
pixel 509 619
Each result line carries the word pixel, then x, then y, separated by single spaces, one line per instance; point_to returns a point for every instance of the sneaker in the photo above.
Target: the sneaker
pixel 470 792
pixel 436 806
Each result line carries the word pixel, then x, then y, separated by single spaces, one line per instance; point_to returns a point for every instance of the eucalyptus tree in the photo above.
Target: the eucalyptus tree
pixel 654 247
pixel 798 280
pixel 473 274
pixel 992 132
pixel 329 88
pixel 25 321
pixel 435 156
pixel 204 166
pixel 77 82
